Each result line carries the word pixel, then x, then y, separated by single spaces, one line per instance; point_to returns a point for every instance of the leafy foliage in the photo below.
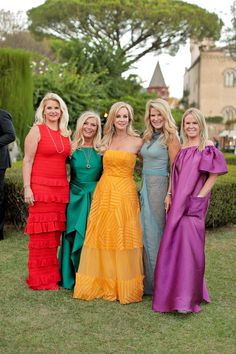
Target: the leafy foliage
pixel 11 23
pixel 222 210
pixel 79 91
pixel 16 209
pixel 177 115
pixel 133 28
pixel 231 32
pixel 16 89
pixel 84 89
pixel 214 119
pixel 231 160
pixel 25 40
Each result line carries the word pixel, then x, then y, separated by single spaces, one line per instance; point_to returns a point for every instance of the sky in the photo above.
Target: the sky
pixel 173 68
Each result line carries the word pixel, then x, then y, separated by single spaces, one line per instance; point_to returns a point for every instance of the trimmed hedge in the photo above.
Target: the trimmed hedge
pixel 16 209
pixel 222 208
pixel 214 119
pixel 230 158
pixel 16 89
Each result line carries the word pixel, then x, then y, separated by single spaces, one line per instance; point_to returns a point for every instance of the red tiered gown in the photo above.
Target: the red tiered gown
pixel 46 219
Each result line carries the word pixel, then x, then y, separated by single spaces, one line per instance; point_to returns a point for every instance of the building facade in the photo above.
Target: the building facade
pixel 210 84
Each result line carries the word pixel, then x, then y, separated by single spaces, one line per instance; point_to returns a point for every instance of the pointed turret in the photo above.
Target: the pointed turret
pixel 157 83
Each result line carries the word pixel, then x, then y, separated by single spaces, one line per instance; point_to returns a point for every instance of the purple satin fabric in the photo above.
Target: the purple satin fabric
pixel 179 273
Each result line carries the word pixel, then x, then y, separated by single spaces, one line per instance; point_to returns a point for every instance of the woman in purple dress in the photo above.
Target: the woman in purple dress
pixel 179 274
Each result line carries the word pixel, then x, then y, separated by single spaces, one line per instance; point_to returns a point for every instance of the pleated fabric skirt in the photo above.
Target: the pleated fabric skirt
pixel 111 264
pixel 153 217
pixel 45 224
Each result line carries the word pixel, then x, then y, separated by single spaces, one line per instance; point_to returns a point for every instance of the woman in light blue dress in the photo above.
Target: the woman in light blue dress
pixel 161 145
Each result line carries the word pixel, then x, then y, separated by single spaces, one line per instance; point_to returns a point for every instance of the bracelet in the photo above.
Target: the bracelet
pixel 169 193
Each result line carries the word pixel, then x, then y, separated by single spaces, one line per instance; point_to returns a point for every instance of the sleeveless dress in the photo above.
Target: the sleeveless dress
pixel 179 274
pixel 155 180
pixel 111 265
pixel 46 218
pixel 82 184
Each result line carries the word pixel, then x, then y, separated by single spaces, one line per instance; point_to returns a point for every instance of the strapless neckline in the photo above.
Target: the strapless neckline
pixel 128 152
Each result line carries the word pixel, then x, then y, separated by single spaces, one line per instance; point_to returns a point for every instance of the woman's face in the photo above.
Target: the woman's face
pixel 191 127
pixel 52 111
pixel 121 120
pixel 90 128
pixel 156 119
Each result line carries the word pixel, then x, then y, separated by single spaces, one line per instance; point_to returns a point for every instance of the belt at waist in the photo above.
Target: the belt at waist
pixel 153 172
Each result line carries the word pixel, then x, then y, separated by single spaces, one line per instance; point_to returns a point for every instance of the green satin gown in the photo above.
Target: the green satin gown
pixel 86 169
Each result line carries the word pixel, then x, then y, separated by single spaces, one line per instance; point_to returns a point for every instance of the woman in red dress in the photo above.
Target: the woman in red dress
pixel 46 190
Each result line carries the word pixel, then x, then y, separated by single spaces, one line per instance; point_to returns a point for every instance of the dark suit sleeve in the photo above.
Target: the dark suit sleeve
pixel 7 131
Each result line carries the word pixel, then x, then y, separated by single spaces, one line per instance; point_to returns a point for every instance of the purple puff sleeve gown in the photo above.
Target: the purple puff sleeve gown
pixel 179 273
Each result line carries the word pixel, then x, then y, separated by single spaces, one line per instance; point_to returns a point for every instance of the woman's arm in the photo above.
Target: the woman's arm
pixel 31 144
pixel 173 149
pixel 208 185
pixel 138 145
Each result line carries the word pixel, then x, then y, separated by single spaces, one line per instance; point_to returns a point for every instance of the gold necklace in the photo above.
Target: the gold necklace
pixel 54 143
pixel 87 156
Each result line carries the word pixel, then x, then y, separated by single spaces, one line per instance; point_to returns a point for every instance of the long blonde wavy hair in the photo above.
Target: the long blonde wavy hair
pixel 198 115
pixel 78 139
pixel 109 129
pixel 64 119
pixel 169 127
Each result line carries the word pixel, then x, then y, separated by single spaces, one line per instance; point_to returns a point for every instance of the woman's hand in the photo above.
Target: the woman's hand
pixel 167 202
pixel 28 195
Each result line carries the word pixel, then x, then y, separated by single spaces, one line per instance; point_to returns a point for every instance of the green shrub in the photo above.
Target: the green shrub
pixel 230 158
pixel 222 209
pixel 16 209
pixel 229 177
pixel 214 119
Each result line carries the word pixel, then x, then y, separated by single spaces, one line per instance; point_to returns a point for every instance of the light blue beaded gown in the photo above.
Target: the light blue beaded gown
pixel 155 179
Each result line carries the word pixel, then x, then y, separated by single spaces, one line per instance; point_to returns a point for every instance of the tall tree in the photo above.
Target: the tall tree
pixel 14 34
pixel 134 28
pixel 16 89
pixel 11 22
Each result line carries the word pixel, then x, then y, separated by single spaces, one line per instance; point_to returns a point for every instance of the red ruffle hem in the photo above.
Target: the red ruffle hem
pixel 45 224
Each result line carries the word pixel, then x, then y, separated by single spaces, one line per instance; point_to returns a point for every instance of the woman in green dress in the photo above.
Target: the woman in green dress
pixel 86 169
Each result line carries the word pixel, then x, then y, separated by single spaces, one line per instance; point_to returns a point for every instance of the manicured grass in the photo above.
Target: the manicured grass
pixel 52 322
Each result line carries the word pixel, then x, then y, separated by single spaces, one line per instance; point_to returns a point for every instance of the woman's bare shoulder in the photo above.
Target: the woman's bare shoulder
pixel 137 140
pixel 33 134
pixel 34 129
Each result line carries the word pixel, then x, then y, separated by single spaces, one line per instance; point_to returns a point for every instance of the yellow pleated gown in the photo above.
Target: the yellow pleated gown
pixel 111 265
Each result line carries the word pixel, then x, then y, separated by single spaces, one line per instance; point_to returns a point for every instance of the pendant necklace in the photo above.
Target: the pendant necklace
pixel 54 143
pixel 87 156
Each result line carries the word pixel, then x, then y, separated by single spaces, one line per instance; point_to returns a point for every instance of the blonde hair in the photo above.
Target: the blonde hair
pixel 198 115
pixel 78 139
pixel 109 129
pixel 169 126
pixel 64 119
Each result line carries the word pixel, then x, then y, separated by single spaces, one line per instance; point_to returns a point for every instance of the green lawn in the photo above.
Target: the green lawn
pixel 52 322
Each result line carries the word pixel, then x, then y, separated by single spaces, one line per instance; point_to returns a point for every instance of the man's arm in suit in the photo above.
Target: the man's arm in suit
pixel 7 131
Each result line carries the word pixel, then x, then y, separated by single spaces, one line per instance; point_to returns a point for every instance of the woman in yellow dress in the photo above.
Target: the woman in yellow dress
pixel 111 264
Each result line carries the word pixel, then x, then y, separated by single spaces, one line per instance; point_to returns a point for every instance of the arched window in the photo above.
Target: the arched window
pixel 230 78
pixel 229 113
